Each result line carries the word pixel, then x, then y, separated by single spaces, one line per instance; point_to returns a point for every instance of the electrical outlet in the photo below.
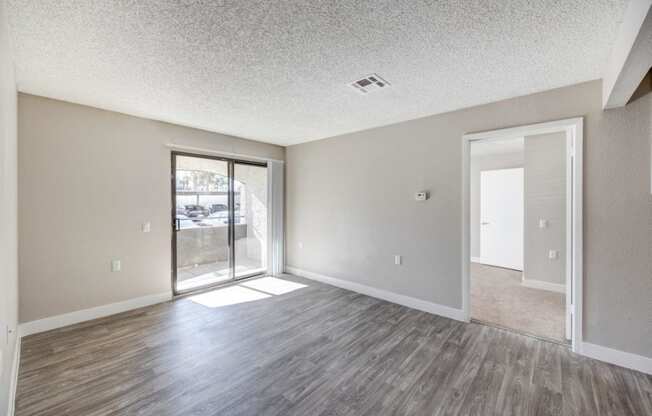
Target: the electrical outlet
pixel 543 223
pixel 398 259
pixel 116 265
pixel 300 245
pixel 146 227
pixel 553 254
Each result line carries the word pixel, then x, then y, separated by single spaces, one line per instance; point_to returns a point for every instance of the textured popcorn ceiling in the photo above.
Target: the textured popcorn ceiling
pixel 279 71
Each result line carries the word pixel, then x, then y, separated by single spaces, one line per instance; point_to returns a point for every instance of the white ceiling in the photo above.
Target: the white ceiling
pixel 278 71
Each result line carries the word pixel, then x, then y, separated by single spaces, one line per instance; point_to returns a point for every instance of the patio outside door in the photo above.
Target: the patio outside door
pixel 219 220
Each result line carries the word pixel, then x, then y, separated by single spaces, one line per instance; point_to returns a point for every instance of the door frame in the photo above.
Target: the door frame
pixel 573 128
pixel 231 162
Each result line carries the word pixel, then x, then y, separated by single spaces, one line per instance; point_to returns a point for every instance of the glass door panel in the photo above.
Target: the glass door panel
pixel 202 254
pixel 250 219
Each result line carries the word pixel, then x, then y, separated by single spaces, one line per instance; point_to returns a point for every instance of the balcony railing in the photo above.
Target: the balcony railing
pixel 207 222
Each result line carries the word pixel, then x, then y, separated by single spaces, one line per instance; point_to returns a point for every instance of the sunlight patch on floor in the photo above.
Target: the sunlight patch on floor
pixel 273 285
pixel 249 291
pixel 228 296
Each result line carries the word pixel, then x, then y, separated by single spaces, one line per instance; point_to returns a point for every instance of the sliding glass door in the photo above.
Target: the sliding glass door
pixel 219 220
pixel 250 192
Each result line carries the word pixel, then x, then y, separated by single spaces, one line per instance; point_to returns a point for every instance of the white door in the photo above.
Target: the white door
pixel 501 218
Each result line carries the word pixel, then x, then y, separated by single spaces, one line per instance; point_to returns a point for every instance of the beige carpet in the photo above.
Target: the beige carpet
pixel 498 297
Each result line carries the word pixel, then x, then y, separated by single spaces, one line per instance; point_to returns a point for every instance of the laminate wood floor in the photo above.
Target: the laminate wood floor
pixel 313 350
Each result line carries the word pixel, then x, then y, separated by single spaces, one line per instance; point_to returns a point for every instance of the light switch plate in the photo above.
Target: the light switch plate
pixel 116 265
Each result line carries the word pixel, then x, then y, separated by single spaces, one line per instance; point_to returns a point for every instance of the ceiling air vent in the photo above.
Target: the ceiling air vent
pixel 370 83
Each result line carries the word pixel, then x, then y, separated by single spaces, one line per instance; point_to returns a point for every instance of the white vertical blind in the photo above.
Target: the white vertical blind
pixel 276 242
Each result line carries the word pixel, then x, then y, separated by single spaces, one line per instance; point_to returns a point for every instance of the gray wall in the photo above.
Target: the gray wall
pixel 478 164
pixel 545 198
pixel 350 202
pixel 88 178
pixel 618 228
pixel 8 212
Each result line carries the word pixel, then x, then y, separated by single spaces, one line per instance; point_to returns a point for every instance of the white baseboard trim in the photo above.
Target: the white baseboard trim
pixel 476 259
pixel 617 357
pixel 13 382
pixel 59 321
pixel 540 284
pixel 404 300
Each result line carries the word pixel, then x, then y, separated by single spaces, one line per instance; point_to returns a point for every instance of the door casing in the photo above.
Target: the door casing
pixel 574 130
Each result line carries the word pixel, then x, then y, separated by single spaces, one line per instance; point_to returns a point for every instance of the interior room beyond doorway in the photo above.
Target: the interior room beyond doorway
pixel 518 234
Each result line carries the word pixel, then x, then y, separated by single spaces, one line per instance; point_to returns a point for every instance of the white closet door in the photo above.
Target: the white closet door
pixel 501 218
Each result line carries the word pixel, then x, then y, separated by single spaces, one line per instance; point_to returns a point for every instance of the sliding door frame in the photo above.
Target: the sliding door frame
pixel 231 162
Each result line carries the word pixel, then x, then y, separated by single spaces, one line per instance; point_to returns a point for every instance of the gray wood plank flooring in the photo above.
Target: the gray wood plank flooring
pixel 317 350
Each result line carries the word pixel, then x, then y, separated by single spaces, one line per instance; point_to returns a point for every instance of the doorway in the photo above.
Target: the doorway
pixel 219 220
pixel 523 236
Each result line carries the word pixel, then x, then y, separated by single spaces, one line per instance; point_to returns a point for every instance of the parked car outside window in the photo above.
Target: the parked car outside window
pixel 218 208
pixel 194 211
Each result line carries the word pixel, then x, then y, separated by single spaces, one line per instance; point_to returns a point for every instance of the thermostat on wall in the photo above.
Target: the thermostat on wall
pixel 421 196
